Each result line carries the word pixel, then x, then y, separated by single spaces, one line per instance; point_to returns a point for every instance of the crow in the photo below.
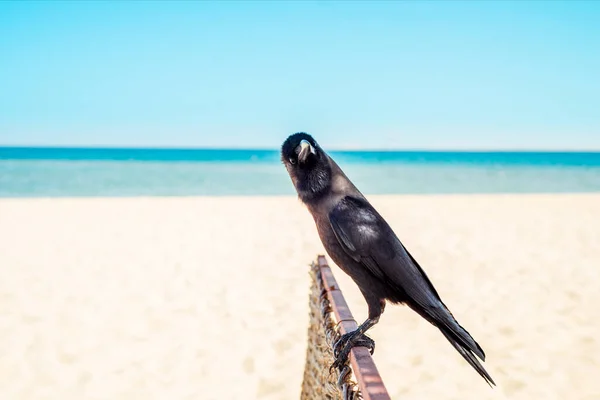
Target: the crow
pixel 365 247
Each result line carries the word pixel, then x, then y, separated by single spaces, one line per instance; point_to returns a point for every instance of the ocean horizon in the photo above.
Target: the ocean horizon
pixel 117 172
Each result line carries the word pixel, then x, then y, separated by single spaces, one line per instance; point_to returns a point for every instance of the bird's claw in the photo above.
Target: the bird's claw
pixel 342 347
pixel 367 342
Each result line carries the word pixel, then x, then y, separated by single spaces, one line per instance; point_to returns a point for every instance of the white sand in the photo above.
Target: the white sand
pixel 206 298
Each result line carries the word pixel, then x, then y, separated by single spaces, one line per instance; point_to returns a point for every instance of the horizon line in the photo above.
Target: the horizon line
pixel 331 149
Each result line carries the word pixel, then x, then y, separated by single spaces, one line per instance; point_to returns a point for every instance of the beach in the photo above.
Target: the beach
pixel 207 297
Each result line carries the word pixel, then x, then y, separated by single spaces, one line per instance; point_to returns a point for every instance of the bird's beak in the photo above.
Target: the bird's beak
pixel 305 149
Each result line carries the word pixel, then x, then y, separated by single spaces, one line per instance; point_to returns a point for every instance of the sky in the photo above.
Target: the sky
pixel 376 75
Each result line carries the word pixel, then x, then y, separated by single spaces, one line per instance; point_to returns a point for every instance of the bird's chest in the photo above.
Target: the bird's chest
pixel 331 244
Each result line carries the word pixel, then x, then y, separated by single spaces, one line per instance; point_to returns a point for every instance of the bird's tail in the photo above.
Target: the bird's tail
pixel 462 341
pixel 467 352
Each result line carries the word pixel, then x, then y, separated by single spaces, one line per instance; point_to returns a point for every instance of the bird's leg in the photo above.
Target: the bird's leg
pixel 357 338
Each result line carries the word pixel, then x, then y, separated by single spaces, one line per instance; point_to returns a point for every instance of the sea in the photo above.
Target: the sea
pixel 115 172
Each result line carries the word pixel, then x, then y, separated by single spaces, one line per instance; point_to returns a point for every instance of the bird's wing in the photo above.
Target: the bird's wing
pixel 368 239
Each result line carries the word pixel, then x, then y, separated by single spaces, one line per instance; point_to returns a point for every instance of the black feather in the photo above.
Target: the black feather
pixel 363 245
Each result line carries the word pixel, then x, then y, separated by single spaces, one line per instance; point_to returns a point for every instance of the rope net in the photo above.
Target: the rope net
pixel 319 383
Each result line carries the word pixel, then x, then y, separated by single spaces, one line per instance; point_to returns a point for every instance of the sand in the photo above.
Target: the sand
pixel 206 298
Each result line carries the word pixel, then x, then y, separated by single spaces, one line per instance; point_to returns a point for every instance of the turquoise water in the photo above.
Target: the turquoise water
pixel 57 172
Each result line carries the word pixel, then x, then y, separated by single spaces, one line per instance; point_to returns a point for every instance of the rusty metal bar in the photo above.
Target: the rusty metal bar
pixel 364 369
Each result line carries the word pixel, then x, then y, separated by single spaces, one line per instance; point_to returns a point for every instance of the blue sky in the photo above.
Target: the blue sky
pixel 407 75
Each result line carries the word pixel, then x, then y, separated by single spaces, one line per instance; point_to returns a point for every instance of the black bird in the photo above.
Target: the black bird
pixel 366 248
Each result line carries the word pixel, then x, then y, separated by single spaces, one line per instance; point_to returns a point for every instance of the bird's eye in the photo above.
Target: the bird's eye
pixel 292 161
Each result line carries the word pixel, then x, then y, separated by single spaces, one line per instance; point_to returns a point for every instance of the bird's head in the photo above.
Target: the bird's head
pixel 307 165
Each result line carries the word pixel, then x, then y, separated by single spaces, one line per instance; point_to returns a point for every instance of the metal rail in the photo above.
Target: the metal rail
pixel 364 369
